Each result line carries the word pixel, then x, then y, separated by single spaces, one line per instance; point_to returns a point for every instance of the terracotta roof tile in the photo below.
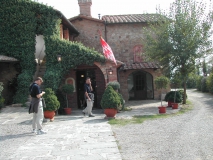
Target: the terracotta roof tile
pixel 7 59
pixel 141 65
pixel 132 18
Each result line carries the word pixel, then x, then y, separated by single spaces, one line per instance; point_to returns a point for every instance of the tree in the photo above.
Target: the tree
pixel 204 68
pixel 160 83
pixel 179 37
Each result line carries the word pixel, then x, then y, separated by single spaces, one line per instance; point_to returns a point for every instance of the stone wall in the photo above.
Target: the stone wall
pixel 122 38
pixel 89 32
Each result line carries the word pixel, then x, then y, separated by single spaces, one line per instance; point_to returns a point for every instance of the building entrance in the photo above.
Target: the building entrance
pixel 81 76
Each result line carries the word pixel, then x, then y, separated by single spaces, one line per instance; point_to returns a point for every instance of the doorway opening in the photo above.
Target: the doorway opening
pixel 140 86
pixel 81 76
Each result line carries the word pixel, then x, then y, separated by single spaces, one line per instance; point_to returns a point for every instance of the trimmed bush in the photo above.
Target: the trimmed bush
pixel 160 83
pixel 115 85
pixel 170 97
pixel 67 88
pixel 51 101
pixel 182 93
pixel 110 99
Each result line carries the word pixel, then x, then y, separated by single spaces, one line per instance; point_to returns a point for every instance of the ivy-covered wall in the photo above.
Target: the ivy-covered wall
pixel 21 21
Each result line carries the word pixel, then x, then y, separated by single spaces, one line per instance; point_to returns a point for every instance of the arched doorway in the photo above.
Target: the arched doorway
pixel 98 84
pixel 140 86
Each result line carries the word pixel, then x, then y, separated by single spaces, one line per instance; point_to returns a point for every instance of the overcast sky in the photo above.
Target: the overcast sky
pixel 70 8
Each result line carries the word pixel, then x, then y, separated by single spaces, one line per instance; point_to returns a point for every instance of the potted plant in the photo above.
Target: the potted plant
pixel 160 83
pixel 174 97
pixel 67 89
pixel 115 85
pixel 110 102
pixel 52 104
pixel 175 82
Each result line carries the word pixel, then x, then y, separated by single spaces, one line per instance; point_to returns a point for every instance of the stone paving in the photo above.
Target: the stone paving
pixel 69 137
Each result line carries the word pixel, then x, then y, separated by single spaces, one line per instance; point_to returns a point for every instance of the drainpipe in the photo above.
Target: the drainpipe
pixel 118 71
pixel 105 30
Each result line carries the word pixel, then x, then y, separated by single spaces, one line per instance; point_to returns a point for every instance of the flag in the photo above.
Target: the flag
pixel 107 50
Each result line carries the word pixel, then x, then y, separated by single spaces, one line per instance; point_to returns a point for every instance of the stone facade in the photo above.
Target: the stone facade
pixel 125 41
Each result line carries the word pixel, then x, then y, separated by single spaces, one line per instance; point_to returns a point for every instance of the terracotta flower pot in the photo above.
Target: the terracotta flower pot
pixel 110 113
pixel 170 103
pixel 174 105
pixel 67 110
pixel 49 115
pixel 162 109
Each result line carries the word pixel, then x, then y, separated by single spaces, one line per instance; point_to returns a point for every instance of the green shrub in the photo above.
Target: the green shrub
pixel 161 82
pixel 121 101
pixel 198 83
pixel 51 101
pixel 110 99
pixel 191 81
pixel 170 97
pixel 1 102
pixel 203 85
pixel 21 21
pixel 67 88
pixel 115 85
pixel 182 93
pixel 209 83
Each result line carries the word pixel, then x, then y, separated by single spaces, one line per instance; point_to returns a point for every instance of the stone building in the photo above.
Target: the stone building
pixel 123 34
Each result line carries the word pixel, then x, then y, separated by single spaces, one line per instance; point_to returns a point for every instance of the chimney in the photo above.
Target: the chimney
pixel 85 6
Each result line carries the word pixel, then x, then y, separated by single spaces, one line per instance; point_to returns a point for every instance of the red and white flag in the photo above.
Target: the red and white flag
pixel 107 50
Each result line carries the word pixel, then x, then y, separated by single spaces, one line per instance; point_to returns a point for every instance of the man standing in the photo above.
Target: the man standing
pixel 36 106
pixel 89 97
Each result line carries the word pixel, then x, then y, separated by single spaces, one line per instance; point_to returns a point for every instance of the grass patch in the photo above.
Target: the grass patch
pixel 140 119
pixel 186 107
pixel 127 109
pixel 136 119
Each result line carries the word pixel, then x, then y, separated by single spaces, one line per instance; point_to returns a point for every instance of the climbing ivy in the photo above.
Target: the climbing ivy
pixel 21 21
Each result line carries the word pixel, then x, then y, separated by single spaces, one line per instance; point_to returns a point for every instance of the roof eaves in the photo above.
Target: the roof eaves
pixel 85 17
pixel 70 25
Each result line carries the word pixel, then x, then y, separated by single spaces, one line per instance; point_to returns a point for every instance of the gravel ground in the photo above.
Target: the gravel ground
pixel 14 130
pixel 183 137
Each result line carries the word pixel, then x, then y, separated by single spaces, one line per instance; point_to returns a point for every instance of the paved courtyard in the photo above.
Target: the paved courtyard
pixel 73 137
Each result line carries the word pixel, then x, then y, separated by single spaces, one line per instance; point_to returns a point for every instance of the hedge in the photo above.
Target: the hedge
pixel 21 21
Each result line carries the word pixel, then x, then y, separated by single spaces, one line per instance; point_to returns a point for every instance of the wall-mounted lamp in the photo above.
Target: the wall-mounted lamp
pixel 110 71
pixel 40 61
pixel 82 75
pixel 36 60
pixel 59 58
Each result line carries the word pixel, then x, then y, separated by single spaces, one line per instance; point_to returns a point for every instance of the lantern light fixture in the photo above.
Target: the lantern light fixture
pixel 59 58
